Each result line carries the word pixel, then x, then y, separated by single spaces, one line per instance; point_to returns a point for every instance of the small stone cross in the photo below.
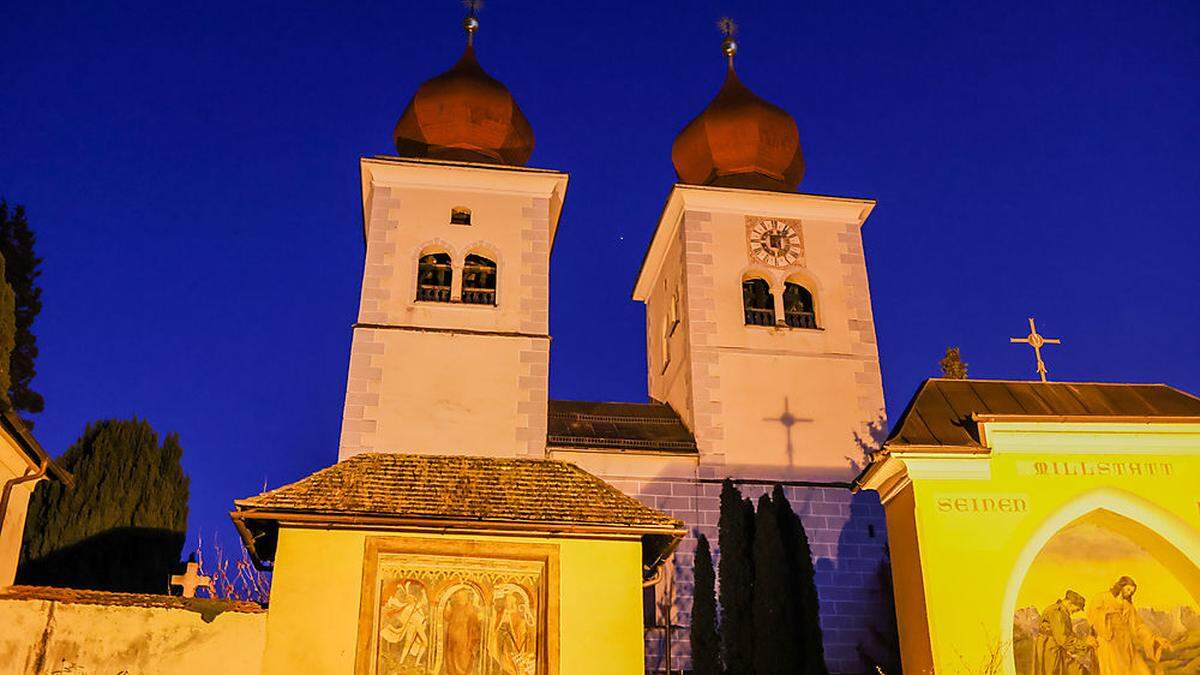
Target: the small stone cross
pixel 190 580
pixel 1037 342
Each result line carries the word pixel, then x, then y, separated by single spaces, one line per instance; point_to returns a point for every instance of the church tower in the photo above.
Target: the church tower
pixel 450 353
pixel 758 315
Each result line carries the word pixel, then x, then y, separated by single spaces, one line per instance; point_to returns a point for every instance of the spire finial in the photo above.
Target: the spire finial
pixel 728 28
pixel 471 23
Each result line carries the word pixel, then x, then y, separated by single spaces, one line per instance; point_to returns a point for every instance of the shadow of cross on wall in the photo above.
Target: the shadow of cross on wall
pixel 788 420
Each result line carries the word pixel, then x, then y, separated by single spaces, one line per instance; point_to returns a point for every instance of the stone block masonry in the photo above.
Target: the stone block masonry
pixel 847 533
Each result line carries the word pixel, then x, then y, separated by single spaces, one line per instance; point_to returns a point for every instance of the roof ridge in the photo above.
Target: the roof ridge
pixel 1014 381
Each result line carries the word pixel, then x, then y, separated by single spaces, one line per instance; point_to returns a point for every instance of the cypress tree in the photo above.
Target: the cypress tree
pixel 775 649
pixel 122 526
pixel 801 587
pixel 21 272
pixel 706 657
pixel 8 332
pixel 736 572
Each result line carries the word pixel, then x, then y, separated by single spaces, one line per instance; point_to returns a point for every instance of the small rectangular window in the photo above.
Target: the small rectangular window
pixel 460 216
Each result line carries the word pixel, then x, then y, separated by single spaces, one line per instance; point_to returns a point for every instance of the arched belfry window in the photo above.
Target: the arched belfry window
pixel 758 303
pixel 479 281
pixel 433 277
pixel 798 308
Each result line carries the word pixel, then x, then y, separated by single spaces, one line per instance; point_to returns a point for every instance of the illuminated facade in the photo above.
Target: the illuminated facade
pixel 761 357
pixel 1040 523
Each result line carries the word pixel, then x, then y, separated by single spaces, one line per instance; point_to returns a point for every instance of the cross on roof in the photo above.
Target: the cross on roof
pixel 1037 341
pixel 190 580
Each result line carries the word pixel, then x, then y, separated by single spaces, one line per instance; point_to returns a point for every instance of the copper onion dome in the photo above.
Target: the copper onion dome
pixel 739 140
pixel 465 114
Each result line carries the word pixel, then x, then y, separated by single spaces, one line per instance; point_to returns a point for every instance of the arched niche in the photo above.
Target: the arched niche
pixel 1086 547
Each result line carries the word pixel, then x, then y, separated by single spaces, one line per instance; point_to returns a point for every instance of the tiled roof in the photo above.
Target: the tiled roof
pixel 462 488
pixel 74 596
pixel 944 412
pixel 646 427
pixel 385 490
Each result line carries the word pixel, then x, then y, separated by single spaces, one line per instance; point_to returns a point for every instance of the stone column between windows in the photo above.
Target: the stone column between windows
pixel 777 300
pixel 456 278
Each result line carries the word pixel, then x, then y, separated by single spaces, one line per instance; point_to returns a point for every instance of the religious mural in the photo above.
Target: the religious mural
pixel 445 614
pixel 1097 602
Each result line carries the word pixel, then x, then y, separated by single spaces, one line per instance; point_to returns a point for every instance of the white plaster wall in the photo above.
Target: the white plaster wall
pixel 742 382
pixel 40 637
pixel 433 377
pixel 669 379
pixel 447 393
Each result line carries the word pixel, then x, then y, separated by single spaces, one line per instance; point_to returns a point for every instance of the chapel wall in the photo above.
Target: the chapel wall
pixel 43 636
pixel 316 598
pixel 980 529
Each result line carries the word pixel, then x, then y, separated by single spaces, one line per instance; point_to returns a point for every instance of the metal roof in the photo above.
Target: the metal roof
pixel 647 427
pixel 946 412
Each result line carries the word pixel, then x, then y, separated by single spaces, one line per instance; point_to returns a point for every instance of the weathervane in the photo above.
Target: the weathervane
pixel 471 23
pixel 728 28
pixel 1037 341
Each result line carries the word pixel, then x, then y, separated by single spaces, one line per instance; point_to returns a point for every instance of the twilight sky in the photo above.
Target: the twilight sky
pixel 191 172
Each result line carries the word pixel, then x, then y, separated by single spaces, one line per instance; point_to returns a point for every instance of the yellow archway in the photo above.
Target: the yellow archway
pixel 1164 536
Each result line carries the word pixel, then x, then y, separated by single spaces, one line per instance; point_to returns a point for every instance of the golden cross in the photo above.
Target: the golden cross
pixel 1036 341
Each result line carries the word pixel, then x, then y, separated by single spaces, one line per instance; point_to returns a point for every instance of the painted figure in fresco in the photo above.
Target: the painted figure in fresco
pixel 405 625
pixel 464 634
pixel 1057 650
pixel 1121 637
pixel 515 636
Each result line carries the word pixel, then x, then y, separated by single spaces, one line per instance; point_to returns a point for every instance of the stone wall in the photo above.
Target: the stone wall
pixel 52 630
pixel 848 536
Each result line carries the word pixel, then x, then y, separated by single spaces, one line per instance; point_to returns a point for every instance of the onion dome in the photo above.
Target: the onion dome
pixel 465 114
pixel 739 140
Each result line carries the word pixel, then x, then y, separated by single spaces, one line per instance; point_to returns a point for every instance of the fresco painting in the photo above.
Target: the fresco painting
pixel 454 615
pixel 1097 602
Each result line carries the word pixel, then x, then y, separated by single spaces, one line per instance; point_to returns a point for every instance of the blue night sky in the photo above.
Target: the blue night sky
pixel 192 175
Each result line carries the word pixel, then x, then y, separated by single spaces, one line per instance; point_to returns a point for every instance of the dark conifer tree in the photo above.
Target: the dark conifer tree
pixel 8 331
pixel 801 587
pixel 122 526
pixel 735 569
pixel 775 649
pixel 706 648
pixel 952 365
pixel 21 272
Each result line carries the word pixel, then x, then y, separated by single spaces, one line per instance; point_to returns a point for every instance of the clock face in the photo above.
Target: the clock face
pixel 775 242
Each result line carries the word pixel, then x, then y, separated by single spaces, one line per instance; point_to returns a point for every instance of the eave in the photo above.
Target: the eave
pixel 259 529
